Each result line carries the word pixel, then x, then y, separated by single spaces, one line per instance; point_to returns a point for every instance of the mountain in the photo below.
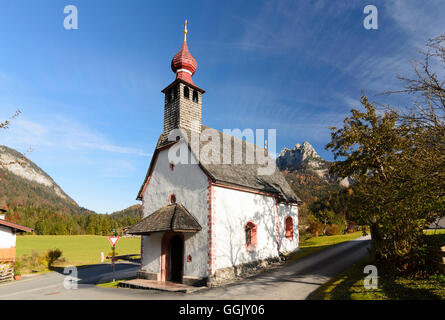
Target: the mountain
pixel 132 212
pixel 35 200
pixel 304 159
pixel 23 183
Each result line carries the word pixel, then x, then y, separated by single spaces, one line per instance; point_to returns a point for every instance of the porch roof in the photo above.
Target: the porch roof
pixel 174 217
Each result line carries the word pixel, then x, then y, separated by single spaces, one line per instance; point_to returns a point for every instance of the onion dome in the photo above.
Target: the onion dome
pixel 183 63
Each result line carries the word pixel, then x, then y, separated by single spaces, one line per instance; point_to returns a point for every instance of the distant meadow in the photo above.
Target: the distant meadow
pixel 77 250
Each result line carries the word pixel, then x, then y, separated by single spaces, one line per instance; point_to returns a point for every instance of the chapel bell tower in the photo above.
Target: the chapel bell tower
pixel 183 99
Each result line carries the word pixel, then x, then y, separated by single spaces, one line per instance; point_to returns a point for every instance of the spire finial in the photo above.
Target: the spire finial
pixel 185 30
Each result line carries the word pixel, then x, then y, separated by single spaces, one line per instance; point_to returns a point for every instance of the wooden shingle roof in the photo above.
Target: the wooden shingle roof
pixel 174 217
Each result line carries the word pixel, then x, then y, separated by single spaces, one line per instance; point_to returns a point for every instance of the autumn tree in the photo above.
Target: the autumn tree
pixel 396 160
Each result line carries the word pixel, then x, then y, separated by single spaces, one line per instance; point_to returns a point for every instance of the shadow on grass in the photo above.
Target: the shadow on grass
pixel 349 286
pixel 394 290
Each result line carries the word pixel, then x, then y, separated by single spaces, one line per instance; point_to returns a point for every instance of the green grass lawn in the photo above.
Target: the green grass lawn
pixel 349 285
pixel 77 250
pixel 315 244
pixel 112 284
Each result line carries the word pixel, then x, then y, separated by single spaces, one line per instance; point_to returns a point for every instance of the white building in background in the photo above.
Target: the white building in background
pixel 202 221
pixel 8 231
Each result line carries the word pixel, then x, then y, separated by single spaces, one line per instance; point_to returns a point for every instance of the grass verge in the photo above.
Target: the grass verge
pixel 112 284
pixel 315 244
pixel 349 285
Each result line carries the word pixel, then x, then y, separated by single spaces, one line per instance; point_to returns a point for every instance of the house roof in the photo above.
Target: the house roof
pixel 243 174
pixel 438 224
pixel 174 217
pixel 15 226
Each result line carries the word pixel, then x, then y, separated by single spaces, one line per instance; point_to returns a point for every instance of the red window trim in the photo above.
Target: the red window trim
pixel 253 236
pixel 289 227
pixel 171 198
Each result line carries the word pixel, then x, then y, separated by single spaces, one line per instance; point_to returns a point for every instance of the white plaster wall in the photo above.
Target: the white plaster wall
pixel 7 237
pixel 190 185
pixel 285 210
pixel 151 247
pixel 233 209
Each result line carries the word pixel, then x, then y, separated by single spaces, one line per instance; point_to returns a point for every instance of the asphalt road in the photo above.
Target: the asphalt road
pixel 295 280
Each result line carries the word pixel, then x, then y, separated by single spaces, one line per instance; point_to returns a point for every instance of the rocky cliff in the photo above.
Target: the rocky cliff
pixel 304 158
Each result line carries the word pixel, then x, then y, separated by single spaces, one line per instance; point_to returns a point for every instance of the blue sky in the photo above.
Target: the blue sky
pixel 90 98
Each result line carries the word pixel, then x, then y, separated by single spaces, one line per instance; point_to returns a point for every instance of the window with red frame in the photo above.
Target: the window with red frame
pixel 289 228
pixel 251 235
pixel 172 199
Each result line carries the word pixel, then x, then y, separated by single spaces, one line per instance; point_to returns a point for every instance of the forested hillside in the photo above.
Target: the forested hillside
pixel 35 200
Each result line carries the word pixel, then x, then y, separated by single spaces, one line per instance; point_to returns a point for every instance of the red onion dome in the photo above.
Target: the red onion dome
pixel 183 64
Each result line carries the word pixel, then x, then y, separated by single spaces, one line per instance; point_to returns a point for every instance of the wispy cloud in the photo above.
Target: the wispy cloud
pixel 60 133
pixel 114 149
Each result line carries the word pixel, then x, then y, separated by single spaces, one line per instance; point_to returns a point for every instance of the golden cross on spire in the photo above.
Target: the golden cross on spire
pixel 185 30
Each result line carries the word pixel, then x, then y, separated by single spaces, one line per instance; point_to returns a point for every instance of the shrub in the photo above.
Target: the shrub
pixel 52 256
pixel 34 260
pixel 333 229
pixel 315 227
pixel 31 262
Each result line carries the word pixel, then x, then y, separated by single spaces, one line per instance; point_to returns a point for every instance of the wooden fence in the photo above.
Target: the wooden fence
pixel 6 272
pixel 7 254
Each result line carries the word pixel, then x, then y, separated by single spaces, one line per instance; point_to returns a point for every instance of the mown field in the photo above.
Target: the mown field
pixel 77 250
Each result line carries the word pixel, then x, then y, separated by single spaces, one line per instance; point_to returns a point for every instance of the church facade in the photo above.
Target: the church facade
pixel 204 219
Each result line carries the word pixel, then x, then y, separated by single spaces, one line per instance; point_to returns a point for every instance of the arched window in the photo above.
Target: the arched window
pixel 289 223
pixel 186 92
pixel 250 234
pixel 195 96
pixel 172 199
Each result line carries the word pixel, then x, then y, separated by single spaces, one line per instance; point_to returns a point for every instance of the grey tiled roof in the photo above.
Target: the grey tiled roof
pixel 241 175
pixel 438 224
